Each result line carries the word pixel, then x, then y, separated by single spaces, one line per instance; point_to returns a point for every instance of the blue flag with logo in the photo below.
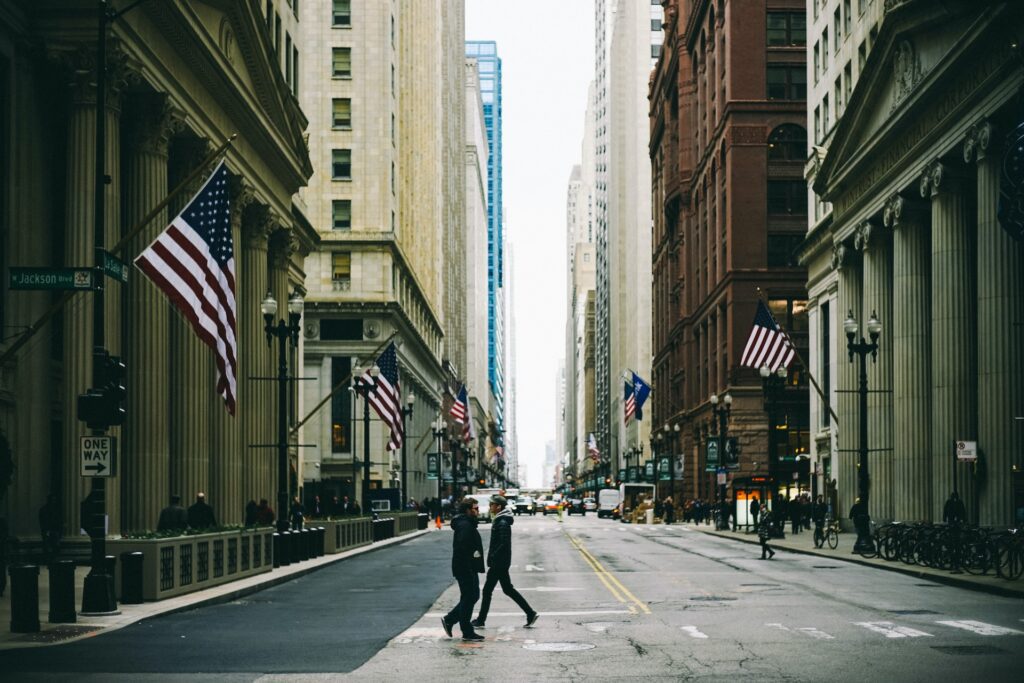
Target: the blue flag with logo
pixel 641 390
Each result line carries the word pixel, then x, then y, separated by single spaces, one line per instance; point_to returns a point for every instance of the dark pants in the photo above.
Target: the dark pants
pixel 765 548
pixel 469 593
pixel 495 576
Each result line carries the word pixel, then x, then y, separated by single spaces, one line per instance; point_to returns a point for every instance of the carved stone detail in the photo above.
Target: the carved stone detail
pixel 906 66
pixel 863 235
pixel 150 121
pixel 842 256
pixel 283 244
pixel 937 177
pixel 979 142
pixel 258 223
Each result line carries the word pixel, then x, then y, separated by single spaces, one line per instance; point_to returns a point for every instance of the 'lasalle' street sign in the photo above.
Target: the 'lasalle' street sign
pixel 51 278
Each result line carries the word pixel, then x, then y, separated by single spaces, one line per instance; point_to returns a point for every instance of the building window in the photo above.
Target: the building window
pixel 817 124
pixel 341 112
pixel 837 29
pixel 341 406
pixel 295 71
pixel 341 267
pixel 838 93
pixel 782 250
pixel 862 56
pixel 826 360
pixel 341 214
pixel 788 142
pixel 846 16
pixel 790 314
pixel 817 62
pixel 342 13
pixel 824 47
pixel 288 59
pixel 847 81
pixel 787 29
pixel 342 62
pixel 341 164
pixel 787 82
pixel 787 198
pixel 825 117
pixel 655 51
pixel 277 35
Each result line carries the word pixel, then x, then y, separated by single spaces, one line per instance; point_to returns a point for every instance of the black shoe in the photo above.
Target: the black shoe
pixel 771 555
pixel 478 624
pixel 531 619
pixel 473 638
pixel 447 626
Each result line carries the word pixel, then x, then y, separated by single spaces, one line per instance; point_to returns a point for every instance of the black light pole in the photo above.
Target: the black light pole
pixel 773 385
pixel 406 413
pixel 367 386
pixel 437 429
pixel 721 413
pixel 862 348
pixel 283 331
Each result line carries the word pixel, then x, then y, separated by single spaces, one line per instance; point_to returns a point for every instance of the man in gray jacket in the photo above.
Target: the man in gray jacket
pixel 499 559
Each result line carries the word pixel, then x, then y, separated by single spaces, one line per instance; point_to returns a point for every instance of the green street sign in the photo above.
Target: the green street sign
pixel 664 473
pixel 433 465
pixel 114 267
pixel 711 464
pixel 51 278
pixel 649 471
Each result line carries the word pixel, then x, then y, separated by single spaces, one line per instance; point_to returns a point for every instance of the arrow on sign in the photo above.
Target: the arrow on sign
pixel 97 467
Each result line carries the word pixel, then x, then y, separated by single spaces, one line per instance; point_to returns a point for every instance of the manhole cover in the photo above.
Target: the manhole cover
pixel 559 647
pixel 968 649
pixel 911 611
pixel 710 598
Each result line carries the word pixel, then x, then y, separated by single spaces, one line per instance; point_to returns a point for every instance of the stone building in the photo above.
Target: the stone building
pixel 912 176
pixel 727 145
pixel 181 79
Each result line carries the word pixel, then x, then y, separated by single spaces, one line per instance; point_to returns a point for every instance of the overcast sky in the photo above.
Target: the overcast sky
pixel 547 54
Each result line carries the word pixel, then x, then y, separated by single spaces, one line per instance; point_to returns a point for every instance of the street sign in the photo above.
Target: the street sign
pixel 967 451
pixel 99 456
pixel 51 278
pixel 631 473
pixel 649 471
pixel 732 453
pixel 721 476
pixel 622 474
pixel 114 267
pixel 711 464
pixel 664 473
pixel 433 465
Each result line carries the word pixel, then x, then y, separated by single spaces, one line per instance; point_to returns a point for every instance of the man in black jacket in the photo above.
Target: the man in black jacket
pixel 467 562
pixel 499 559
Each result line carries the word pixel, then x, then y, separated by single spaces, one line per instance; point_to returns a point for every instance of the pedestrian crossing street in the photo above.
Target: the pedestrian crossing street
pixel 887 629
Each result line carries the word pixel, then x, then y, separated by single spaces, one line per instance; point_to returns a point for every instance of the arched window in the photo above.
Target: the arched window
pixel 788 142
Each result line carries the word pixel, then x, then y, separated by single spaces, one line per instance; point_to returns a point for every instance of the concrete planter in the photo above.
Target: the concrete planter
pixel 405 522
pixel 344 534
pixel 184 564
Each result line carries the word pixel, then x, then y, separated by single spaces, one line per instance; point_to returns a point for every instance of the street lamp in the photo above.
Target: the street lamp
pixel 721 415
pixel 406 413
pixel 368 384
pixel 862 348
pixel 284 331
pixel 437 429
pixel 773 386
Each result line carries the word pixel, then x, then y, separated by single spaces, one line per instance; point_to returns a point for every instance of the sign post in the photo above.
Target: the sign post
pixel 51 278
pixel 98 456
pixel 963 451
pixel 433 465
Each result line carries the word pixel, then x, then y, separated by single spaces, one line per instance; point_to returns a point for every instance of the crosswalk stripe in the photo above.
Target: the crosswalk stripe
pixel 815 633
pixel 981 628
pixel 891 630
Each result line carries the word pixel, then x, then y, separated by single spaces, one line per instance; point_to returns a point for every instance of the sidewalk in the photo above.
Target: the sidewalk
pixel 804 543
pixel 51 634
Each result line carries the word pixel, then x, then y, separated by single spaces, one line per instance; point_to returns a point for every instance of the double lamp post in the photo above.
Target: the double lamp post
pixel 720 409
pixel 861 348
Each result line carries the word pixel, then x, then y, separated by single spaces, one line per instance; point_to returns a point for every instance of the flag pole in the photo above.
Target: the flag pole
pixel 807 369
pixel 57 305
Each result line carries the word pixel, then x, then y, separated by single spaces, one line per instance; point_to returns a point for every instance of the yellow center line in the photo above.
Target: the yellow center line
pixel 608 578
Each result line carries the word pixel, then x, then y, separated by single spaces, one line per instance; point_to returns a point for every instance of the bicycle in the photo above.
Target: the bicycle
pixel 827 533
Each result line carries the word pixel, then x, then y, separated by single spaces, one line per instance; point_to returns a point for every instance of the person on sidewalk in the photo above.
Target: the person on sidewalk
pixel 818 512
pixel 954 512
pixel 499 559
pixel 764 533
pixel 755 510
pixel 200 514
pixel 173 517
pixel 264 513
pixel 467 562
pixel 670 511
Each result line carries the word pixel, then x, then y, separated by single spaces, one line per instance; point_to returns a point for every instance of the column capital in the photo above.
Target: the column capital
pixel 866 235
pixel 938 177
pixel 900 211
pixel 980 142
pixel 283 244
pixel 842 256
pixel 150 120
pixel 258 223
pixel 80 63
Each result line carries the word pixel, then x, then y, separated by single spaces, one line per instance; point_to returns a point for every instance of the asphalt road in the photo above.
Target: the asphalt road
pixel 617 602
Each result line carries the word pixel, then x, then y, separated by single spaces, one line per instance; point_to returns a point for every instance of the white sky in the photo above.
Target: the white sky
pixel 547 53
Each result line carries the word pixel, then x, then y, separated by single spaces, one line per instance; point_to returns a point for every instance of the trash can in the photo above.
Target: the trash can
pixel 649 516
pixel 24 598
pixel 422 520
pixel 62 592
pixel 131 578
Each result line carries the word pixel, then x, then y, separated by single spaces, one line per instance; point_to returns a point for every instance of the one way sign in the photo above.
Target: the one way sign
pixel 99 456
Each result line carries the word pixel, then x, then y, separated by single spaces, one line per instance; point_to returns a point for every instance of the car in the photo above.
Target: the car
pixel 552 505
pixel 590 504
pixel 525 505
pixel 484 503
pixel 575 507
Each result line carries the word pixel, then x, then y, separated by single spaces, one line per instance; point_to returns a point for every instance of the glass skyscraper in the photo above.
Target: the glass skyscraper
pixel 486 54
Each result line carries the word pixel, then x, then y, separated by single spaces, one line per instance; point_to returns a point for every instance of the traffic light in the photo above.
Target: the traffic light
pixel 104 406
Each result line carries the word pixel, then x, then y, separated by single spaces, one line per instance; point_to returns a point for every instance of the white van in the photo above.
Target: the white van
pixel 607 501
pixel 484 501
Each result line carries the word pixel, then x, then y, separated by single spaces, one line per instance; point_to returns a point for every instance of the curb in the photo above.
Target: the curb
pixel 908 570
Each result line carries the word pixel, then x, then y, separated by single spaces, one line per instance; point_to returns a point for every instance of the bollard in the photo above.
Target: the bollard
pixel 321 544
pixel 286 548
pixel 293 546
pixel 307 544
pixel 390 528
pixel 421 521
pixel 62 592
pixel 131 578
pixel 276 549
pixel 24 598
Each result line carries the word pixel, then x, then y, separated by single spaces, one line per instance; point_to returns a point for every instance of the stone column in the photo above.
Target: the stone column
pixel 850 296
pixel 1001 334
pixel 911 354
pixel 253 355
pixel 79 245
pixel 875 245
pixel 146 442
pixel 954 331
pixel 227 452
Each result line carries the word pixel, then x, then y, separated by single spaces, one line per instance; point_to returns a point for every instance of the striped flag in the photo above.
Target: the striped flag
pixel 385 394
pixel 459 409
pixel 595 453
pixel 193 263
pixel 767 343
pixel 468 428
pixel 629 401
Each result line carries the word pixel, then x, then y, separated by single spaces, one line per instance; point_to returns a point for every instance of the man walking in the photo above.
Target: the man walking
pixel 499 559
pixel 467 562
pixel 763 533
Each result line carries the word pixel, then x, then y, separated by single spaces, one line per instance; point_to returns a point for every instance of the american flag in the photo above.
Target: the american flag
pixel 458 409
pixel 629 401
pixel 767 343
pixel 468 428
pixel 385 394
pixel 595 453
pixel 193 263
